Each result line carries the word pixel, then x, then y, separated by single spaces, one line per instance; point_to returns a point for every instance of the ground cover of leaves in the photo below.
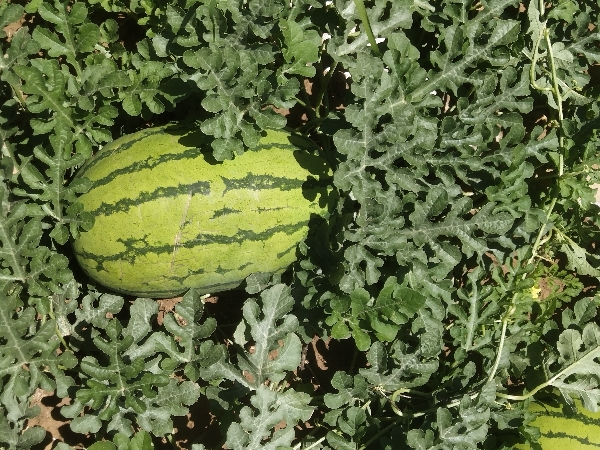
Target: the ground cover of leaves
pixel 321 359
pixel 456 279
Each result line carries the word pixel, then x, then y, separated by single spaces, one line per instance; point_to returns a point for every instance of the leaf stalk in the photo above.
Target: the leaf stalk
pixel 364 17
pixel 555 89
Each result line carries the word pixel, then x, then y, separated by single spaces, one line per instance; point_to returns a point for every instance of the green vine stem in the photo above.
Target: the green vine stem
pixel 399 392
pixel 316 444
pixel 550 382
pixel 362 14
pixel 555 89
pixel 381 433
pixel 322 94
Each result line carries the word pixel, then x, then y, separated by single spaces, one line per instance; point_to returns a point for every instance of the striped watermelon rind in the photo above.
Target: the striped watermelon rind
pixel 168 217
pixel 559 431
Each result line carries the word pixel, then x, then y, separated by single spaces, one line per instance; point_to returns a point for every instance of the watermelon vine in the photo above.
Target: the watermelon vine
pixel 450 289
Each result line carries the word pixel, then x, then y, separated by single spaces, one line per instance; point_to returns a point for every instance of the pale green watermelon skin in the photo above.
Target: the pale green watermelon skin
pixel 169 218
pixel 560 432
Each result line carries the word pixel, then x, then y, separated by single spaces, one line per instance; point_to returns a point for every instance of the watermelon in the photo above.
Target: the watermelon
pixel 559 431
pixel 168 217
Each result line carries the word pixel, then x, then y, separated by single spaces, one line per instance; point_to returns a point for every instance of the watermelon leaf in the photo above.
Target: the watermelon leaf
pixel 132 382
pixel 172 400
pixel 578 366
pixel 188 344
pixel 398 369
pixel 350 390
pixel 473 416
pixel 276 348
pixel 34 347
pixel 478 311
pixel 143 95
pixel 80 34
pixel 28 439
pixel 268 409
pixel 9 13
pixel 21 46
pixel 56 196
pixel 98 316
pixel 19 230
pixel 40 98
pixel 269 334
pixel 301 48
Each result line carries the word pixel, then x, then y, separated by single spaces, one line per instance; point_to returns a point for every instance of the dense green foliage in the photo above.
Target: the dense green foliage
pixel 168 218
pixel 458 272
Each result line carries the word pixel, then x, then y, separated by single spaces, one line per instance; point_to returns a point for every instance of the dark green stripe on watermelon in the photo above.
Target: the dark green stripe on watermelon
pixel 563 435
pixel 125 204
pixel 224 212
pixel 148 163
pixel 261 182
pixel 136 248
pixel 582 418
pixel 271 146
pixel 243 266
pixel 110 149
pixel 286 251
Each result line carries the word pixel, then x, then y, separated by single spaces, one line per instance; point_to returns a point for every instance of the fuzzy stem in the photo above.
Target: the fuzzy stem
pixel 380 433
pixel 555 89
pixel 323 90
pixel 501 344
pixel 558 98
pixel 362 14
